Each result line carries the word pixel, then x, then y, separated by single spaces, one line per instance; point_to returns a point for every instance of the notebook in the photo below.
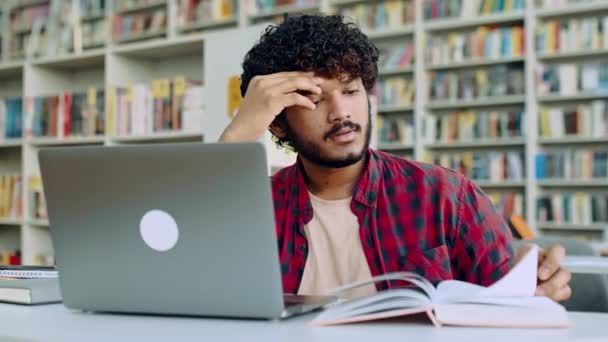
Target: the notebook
pixel 28 272
pixel 30 291
pixel 510 302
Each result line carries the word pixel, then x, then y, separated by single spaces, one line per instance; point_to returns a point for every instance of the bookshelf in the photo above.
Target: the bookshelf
pixel 185 44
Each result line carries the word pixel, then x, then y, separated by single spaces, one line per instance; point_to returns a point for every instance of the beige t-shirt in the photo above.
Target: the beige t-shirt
pixel 335 255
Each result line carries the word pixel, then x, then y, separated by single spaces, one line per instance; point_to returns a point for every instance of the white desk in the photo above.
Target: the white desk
pixel 54 322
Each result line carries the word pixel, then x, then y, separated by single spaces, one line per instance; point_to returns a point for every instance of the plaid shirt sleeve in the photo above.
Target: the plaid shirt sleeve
pixel 482 252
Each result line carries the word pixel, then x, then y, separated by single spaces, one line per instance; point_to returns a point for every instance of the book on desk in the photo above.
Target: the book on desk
pixel 29 285
pixel 510 302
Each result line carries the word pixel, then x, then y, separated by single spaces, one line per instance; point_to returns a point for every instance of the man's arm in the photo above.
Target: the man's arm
pixel 266 97
pixel 483 247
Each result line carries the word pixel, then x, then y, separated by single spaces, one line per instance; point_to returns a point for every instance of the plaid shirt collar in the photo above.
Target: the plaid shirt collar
pixel 366 193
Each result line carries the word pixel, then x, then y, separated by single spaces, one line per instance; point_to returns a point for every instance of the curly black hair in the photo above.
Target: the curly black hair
pixel 325 44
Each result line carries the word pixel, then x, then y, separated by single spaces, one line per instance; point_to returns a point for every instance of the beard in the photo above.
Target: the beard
pixel 312 151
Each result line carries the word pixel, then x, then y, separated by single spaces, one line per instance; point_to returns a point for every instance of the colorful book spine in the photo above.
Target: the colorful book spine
pixel 471 126
pixel 572 164
pixel 572 79
pixel 382 15
pixel 580 208
pixel 581 120
pixel 484 166
pixel 480 44
pixel 473 84
pixel 395 130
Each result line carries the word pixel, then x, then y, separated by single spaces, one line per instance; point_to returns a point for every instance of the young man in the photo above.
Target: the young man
pixel 345 212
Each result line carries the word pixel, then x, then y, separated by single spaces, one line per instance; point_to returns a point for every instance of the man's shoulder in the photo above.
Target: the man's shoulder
pixel 283 179
pixel 395 168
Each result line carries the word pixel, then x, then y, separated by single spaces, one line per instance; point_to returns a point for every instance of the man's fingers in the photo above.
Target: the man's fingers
pixel 295 99
pixel 551 263
pixel 563 294
pixel 286 74
pixel 294 84
pixel 554 287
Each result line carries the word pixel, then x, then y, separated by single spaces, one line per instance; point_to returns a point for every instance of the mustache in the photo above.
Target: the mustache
pixel 348 124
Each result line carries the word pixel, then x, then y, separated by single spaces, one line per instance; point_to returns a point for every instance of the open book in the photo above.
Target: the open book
pixel 510 302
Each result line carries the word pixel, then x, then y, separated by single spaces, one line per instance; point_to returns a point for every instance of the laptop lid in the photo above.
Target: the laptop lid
pixel 183 229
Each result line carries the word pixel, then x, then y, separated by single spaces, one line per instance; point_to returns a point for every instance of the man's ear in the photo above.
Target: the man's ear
pixel 278 127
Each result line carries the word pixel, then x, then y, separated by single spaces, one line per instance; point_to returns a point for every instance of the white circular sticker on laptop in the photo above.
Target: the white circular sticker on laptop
pixel 159 230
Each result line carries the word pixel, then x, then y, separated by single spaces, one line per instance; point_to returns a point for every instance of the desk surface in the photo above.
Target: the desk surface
pixel 55 322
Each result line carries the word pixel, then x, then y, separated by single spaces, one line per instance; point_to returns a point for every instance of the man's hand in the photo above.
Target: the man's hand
pixel 553 281
pixel 266 97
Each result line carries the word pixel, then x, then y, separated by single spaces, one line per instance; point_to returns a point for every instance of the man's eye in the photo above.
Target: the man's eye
pixel 351 91
pixel 317 102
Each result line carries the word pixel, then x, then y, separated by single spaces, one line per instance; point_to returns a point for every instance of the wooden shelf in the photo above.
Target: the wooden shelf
pixel 86 59
pixel 573 10
pixel 395 147
pixel 395 71
pixel 585 54
pixel 93 17
pixel 10 222
pixel 389 33
pixel 475 63
pixel 458 23
pixel 505 184
pixel 570 183
pixel 38 222
pixel 162 48
pixel 601 226
pixel 52 141
pixel 577 97
pixel 142 7
pixel 232 21
pixel 481 143
pixel 386 109
pixel 142 36
pixel 11 143
pixel 492 101
pixel 572 140
pixel 159 137
pixel 280 10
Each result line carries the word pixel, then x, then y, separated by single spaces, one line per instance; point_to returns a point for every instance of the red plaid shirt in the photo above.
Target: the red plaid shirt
pixel 413 217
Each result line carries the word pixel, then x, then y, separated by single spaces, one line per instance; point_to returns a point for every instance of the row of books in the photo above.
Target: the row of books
pixel 572 79
pixel 159 106
pixel 11 118
pixel 574 208
pixel 12 258
pixel 570 35
pixel 471 125
pixel 484 166
pixel 472 84
pixel 139 25
pixel 438 9
pixel 24 18
pixel 94 33
pixel 37 201
pixel 396 56
pixel 205 11
pixel 10 195
pixel 561 3
pixel 396 91
pixel 482 43
pixel 380 16
pixel 90 8
pixel 121 5
pixel 572 164
pixel 583 120
pixel 65 115
pixel 260 6
pixel 507 203
pixel 395 129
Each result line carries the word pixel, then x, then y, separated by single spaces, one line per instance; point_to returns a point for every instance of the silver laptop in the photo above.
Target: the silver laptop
pixel 179 229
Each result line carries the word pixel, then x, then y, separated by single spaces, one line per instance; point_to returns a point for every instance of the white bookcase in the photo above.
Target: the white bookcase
pixel 213 52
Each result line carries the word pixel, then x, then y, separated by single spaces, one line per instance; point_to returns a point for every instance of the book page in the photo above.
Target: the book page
pixel 519 282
